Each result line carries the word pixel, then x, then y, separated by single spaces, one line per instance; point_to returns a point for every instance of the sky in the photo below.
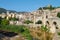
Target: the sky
pixel 27 5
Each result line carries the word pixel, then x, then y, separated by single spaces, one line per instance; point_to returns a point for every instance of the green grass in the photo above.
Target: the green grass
pixel 17 29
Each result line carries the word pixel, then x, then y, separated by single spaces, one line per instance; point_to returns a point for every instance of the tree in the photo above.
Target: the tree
pixel 48 7
pixel 58 14
pixel 14 19
pixel 39 22
pixel 28 21
pixel 44 28
pixel 4 22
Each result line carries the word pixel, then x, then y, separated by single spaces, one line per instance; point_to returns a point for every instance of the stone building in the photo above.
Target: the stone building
pixel 48 18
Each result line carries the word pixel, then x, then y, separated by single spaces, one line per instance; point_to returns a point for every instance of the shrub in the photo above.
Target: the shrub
pixel 17 29
pixel 4 22
pixel 58 15
pixel 59 33
pixel 27 21
pixel 39 22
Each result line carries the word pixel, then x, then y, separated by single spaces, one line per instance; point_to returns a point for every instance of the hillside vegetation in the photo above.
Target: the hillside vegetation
pixel 50 7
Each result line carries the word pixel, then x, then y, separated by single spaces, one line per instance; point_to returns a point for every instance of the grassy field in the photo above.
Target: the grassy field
pixel 21 29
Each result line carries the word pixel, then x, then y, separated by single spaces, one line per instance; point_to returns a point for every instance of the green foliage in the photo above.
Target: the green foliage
pixel 28 21
pixel 27 35
pixel 14 19
pixel 39 22
pixel 58 15
pixel 17 29
pixel 0 20
pixel 58 7
pixel 49 7
pixel 12 28
pixel 4 22
pixel 44 28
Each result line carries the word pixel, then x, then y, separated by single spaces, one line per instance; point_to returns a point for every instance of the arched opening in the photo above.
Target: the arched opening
pixel 47 22
pixel 39 22
pixel 55 25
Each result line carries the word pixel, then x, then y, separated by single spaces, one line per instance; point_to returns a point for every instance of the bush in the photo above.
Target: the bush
pixel 14 19
pixel 58 15
pixel 39 22
pixel 27 21
pixel 50 8
pixel 17 29
pixel 4 22
pixel 45 28
pixel 59 33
